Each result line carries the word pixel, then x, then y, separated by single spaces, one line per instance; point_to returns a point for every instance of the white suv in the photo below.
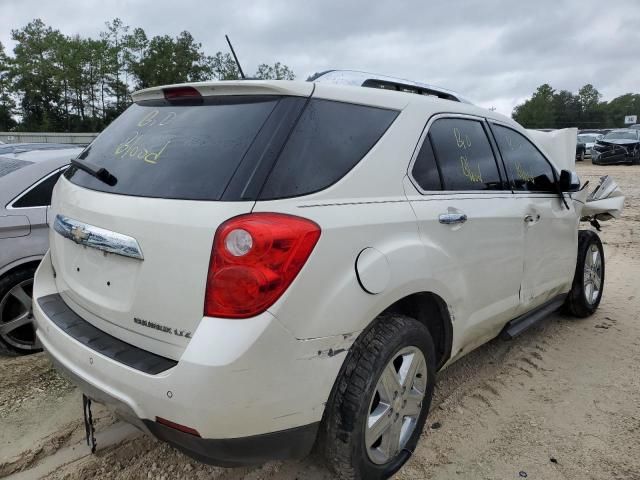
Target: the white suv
pixel 246 269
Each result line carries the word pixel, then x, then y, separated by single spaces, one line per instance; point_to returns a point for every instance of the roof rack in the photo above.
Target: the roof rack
pixel 364 79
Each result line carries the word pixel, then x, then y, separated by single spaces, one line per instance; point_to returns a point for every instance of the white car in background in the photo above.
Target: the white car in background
pixel 589 140
pixel 247 269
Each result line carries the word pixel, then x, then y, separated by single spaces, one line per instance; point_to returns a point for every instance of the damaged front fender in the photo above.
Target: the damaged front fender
pixel 605 202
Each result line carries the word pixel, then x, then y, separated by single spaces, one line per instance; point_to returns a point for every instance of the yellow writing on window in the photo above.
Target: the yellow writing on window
pixel 462 140
pixel 133 147
pixel 468 172
pixel 150 120
pixel 523 174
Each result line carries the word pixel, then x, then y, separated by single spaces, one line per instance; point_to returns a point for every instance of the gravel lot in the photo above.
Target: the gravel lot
pixel 559 402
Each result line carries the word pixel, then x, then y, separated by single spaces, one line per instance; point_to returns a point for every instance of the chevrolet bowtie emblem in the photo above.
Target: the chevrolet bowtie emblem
pixel 79 234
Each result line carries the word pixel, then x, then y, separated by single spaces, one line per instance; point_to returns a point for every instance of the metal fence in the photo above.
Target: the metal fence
pixel 46 137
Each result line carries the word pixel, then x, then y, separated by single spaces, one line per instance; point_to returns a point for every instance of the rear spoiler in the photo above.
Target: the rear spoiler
pixel 231 87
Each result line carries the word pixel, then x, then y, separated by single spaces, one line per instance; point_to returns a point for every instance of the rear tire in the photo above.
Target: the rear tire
pixel 380 400
pixel 15 305
pixel 588 281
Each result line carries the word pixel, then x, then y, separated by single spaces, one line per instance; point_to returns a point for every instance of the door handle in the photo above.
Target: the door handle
pixel 531 218
pixel 452 218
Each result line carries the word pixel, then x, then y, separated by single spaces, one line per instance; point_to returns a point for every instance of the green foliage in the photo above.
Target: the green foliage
pixel 550 109
pixel 275 72
pixel 55 82
pixel 7 103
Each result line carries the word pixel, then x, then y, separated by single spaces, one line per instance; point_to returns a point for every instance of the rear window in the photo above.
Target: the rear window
pixel 233 148
pixel 327 142
pixel 8 165
pixel 179 151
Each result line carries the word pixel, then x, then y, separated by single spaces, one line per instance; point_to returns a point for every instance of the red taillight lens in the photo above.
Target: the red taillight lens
pixel 176 93
pixel 254 259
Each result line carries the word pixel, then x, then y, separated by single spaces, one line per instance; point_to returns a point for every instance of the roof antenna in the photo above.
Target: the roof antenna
pixel 235 57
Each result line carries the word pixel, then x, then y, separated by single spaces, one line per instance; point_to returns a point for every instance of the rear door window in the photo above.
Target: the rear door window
pixel 464 155
pixel 527 168
pixel 327 142
pixel 425 170
pixel 179 151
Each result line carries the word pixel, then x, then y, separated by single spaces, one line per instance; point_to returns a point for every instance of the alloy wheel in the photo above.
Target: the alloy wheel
pixel 396 405
pixel 16 317
pixel 592 274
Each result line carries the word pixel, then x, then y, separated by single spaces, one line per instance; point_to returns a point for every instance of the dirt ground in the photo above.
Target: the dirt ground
pixel 562 401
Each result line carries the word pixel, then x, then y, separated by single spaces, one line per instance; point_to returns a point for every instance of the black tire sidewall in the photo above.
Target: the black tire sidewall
pixel 577 300
pixel 417 335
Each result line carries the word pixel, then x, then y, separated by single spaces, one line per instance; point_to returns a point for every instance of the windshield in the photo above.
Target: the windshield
pixel 180 151
pixel 621 135
pixel 588 138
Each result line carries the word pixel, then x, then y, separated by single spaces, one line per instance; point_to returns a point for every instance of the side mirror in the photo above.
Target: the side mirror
pixel 569 181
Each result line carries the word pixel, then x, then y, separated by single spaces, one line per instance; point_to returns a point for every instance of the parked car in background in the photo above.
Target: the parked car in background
pixel 589 140
pixel 7 148
pixel 26 182
pixel 240 268
pixel 581 151
pixel 617 146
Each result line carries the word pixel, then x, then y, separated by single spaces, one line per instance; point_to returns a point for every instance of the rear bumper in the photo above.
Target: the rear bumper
pixel 239 383
pixel 234 452
pixel 230 452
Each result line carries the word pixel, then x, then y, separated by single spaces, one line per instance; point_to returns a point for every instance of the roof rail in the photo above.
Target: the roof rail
pixel 364 79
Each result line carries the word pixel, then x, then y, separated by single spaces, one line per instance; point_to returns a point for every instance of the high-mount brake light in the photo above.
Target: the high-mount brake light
pixel 177 93
pixel 254 259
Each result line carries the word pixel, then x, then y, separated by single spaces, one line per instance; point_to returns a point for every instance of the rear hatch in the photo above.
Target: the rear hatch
pixel 132 258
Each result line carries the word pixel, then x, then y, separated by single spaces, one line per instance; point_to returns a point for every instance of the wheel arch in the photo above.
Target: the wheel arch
pixel 431 310
pixel 32 261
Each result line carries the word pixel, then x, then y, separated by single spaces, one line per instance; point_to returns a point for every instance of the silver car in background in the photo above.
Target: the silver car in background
pixel 27 176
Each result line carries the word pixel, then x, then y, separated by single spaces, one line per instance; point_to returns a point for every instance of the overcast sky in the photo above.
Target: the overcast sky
pixel 495 52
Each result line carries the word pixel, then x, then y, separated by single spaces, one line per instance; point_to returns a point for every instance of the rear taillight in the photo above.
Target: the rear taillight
pixel 255 257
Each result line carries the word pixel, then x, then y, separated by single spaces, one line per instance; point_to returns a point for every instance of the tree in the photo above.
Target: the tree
pixel 166 60
pixel 619 107
pixel 275 72
pixel 76 84
pixel 7 104
pixel 566 109
pixel 34 71
pixel 223 67
pixel 538 111
pixel 592 112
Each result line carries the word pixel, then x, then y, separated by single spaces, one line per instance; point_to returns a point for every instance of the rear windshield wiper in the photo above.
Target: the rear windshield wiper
pixel 100 173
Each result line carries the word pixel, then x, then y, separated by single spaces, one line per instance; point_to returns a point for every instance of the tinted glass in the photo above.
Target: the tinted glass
pixel 425 171
pixel 464 154
pixel 329 140
pixel 40 195
pixel 621 135
pixel 8 165
pixel 181 151
pixel 526 167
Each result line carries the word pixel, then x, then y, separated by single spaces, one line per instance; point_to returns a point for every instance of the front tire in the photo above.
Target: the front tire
pixel 380 401
pixel 588 280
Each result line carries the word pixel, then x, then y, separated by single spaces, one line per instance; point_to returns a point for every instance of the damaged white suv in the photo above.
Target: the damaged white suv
pixel 248 269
